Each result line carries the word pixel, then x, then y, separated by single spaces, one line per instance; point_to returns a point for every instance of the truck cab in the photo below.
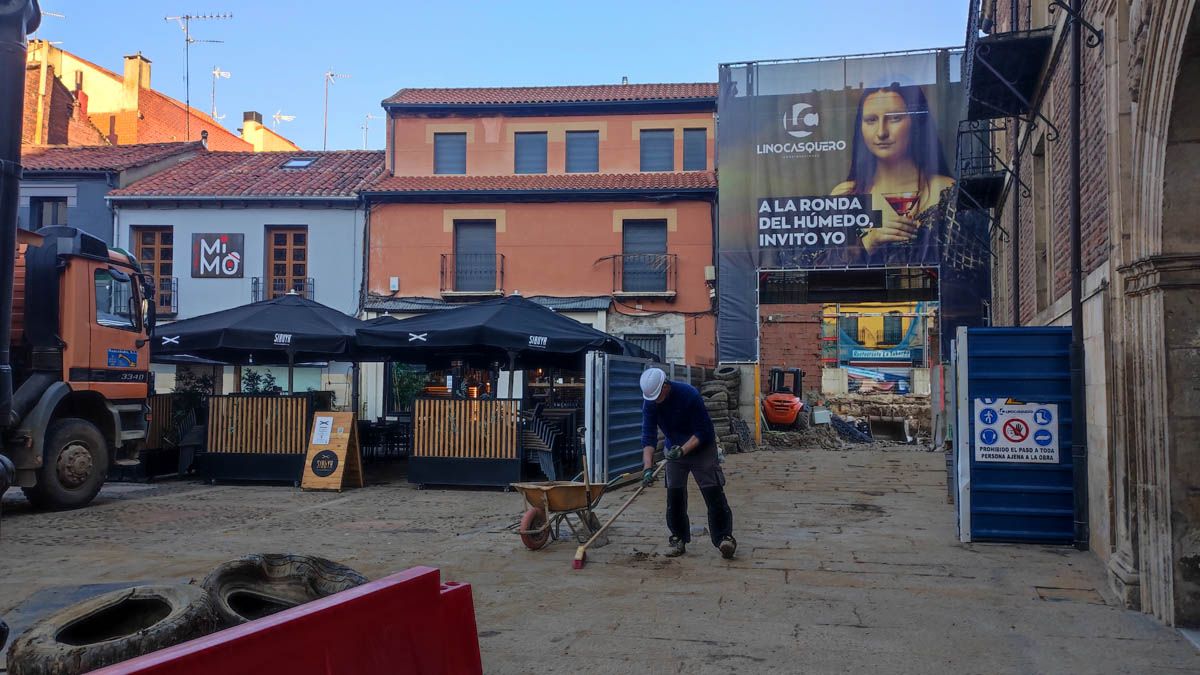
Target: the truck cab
pixel 82 318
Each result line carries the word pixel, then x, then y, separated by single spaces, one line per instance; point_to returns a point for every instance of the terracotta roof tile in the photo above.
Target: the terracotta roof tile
pixel 597 93
pixel 248 175
pixel 616 182
pixel 100 158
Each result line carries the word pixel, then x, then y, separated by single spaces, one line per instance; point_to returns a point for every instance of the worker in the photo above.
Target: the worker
pixel 691 448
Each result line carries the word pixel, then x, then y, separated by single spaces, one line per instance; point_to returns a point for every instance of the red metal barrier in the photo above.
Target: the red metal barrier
pixel 408 622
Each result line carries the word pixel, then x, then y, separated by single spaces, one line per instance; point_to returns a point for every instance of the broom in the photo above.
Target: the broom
pixel 581 552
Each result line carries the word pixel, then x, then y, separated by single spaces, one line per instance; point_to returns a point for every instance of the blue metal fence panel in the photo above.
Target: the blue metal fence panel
pixel 1018 501
pixel 624 419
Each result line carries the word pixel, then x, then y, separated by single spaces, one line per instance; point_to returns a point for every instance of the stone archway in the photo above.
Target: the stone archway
pixel 1158 342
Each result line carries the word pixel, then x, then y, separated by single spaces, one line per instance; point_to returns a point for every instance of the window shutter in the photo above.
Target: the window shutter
pixel 644 264
pixel 475 256
pixel 658 150
pixel 695 149
pixel 583 151
pixel 530 152
pixel 450 153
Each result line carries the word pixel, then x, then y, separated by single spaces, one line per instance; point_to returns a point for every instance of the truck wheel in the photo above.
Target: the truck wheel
pixel 76 461
pixel 114 627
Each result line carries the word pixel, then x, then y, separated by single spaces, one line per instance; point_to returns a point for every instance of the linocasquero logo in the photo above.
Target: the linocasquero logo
pixel 799 123
pixel 802 120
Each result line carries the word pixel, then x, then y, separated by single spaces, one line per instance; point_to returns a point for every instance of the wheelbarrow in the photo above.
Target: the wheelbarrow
pixel 552 503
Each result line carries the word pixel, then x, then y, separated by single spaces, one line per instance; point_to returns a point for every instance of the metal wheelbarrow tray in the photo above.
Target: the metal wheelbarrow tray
pixel 552 503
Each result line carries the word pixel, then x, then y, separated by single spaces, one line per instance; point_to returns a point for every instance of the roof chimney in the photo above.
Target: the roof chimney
pixel 624 79
pixel 137 77
pixel 252 116
pixel 204 138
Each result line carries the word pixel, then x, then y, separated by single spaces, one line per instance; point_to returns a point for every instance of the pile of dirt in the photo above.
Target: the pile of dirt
pixel 821 436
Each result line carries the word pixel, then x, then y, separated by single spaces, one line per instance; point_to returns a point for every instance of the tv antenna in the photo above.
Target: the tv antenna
pixel 217 74
pixel 366 125
pixel 330 78
pixel 45 14
pixel 280 117
pixel 185 23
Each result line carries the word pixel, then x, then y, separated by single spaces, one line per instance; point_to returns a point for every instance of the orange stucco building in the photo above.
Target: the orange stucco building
pixel 596 201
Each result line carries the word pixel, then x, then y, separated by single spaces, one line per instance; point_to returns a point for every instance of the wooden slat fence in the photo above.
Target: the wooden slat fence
pixel 466 429
pixel 269 425
pixel 162 418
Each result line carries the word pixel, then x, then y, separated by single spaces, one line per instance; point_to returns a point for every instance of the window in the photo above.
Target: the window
pixel 583 151
pixel 475 256
pixel 695 149
pixel 848 325
pixel 155 250
pixel 658 150
pixel 530 152
pixel 655 344
pixel 893 326
pixel 450 153
pixel 287 262
pixel 114 300
pixel 644 263
pixel 1042 239
pixel 47 211
pixel 299 162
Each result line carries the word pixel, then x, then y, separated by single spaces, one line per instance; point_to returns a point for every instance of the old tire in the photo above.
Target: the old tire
pixel 262 584
pixel 717 396
pixel 111 628
pixel 74 465
pixel 728 373
pixel 713 387
pixel 533 519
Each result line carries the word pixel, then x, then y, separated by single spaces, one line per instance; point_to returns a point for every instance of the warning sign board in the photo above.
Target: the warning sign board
pixel 1008 431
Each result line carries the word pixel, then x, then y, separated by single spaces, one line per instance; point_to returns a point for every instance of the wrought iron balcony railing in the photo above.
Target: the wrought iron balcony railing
pixel 472 274
pixel 267 289
pixel 645 274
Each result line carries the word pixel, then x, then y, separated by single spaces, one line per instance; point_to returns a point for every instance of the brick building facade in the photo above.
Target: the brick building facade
pixel 1140 263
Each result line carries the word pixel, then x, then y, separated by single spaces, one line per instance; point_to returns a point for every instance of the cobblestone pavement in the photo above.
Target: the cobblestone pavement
pixel 848 562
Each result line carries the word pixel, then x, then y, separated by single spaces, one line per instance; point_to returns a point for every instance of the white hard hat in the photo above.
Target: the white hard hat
pixel 652 382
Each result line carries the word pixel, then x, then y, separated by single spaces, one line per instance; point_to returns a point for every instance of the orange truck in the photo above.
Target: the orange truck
pixel 82 315
pixel 75 325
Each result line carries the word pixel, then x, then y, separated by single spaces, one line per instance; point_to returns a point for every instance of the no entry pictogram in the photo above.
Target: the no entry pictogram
pixel 1016 430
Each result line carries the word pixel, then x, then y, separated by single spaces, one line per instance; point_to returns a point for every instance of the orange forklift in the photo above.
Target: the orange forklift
pixel 783 407
pixel 75 325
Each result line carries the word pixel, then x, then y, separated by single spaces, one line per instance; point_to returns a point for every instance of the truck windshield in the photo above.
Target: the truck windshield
pixel 114 300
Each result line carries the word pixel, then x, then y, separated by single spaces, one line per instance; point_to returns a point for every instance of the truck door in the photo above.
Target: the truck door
pixel 120 352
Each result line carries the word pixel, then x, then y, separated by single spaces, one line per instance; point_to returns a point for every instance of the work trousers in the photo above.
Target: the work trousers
pixel 704 466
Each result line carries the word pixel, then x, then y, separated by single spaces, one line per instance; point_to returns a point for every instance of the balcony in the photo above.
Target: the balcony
pixel 166 297
pixel 982 172
pixel 472 275
pixel 645 275
pixel 279 287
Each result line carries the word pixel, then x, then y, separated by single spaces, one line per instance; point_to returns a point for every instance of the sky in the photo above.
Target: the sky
pixel 277 52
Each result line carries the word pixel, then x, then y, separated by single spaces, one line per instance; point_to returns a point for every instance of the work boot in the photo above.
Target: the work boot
pixel 676 547
pixel 728 547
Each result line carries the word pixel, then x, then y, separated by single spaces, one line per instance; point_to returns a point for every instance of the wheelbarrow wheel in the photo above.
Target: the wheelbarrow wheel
pixel 534 519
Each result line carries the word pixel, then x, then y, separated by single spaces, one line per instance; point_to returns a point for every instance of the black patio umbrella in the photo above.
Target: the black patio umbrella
pixel 286 330
pixel 512 329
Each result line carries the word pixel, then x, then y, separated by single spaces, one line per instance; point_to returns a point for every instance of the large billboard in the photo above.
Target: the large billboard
pixel 830 164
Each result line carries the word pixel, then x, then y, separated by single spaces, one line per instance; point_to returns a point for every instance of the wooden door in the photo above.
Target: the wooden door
pixel 287 262
pixel 155 250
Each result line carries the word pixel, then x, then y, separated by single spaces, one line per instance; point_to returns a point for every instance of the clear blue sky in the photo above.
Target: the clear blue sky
pixel 278 51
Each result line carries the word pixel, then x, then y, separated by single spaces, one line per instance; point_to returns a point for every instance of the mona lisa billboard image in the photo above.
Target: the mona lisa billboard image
pixel 832 163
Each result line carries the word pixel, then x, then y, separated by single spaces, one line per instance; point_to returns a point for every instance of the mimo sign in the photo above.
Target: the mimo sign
pixel 217 256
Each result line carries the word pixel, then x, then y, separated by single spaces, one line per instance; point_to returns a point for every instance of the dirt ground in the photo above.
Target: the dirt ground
pixel 848 562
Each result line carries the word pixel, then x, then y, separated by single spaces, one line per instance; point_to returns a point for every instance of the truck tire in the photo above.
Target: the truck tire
pixel 262 584
pixel 111 628
pixel 74 466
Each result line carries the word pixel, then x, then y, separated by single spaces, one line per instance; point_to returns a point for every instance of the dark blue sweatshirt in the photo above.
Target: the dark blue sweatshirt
pixel 681 416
